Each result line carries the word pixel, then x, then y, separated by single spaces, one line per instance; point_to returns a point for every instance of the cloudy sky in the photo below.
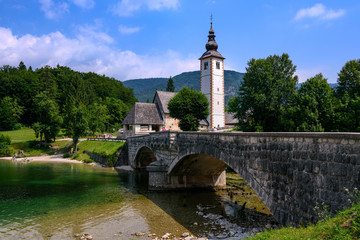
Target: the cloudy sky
pixel 128 39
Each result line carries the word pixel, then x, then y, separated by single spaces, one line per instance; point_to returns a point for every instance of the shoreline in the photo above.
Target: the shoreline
pixel 49 158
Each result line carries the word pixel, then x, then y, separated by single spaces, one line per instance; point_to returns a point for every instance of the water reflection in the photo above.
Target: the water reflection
pixel 57 201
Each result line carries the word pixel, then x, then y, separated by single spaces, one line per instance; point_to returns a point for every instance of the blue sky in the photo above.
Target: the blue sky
pixel 128 39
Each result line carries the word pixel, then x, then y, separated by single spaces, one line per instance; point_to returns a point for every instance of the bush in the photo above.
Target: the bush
pixel 66 155
pixel 4 145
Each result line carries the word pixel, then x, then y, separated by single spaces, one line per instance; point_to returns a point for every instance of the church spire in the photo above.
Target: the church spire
pixel 211 44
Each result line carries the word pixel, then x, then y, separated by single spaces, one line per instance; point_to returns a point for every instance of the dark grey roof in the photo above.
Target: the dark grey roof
pixel 204 122
pixel 230 118
pixel 164 99
pixel 143 113
pixel 211 53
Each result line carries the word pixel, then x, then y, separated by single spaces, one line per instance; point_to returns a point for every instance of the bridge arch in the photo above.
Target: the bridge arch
pixel 144 157
pixel 198 170
pixel 207 166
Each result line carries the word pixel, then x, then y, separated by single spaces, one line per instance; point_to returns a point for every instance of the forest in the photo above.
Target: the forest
pixel 49 99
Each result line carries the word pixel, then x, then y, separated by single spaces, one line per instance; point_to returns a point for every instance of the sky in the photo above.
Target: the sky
pixel 128 39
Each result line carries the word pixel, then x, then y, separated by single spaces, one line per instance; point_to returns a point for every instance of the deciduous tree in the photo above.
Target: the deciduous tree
pixel 190 107
pixel 265 94
pixel 49 121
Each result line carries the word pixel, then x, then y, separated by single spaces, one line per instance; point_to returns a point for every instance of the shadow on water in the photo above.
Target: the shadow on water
pixel 204 212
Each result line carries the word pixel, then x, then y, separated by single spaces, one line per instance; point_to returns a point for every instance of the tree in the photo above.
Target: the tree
pixel 315 105
pixel 170 85
pixel 349 79
pixel 348 92
pixel 4 145
pixel 10 113
pixel 190 107
pixel 98 117
pixel 77 124
pixel 48 119
pixel 117 111
pixel 265 94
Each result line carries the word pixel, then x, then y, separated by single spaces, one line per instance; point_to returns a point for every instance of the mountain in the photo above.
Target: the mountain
pixel 145 88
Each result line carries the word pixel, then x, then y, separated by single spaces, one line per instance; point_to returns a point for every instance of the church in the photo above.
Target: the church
pixel 145 118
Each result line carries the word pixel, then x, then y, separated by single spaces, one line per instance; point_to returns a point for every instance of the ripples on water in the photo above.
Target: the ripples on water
pixel 58 200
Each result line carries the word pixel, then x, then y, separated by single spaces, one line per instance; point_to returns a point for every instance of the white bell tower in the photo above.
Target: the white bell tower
pixel 212 81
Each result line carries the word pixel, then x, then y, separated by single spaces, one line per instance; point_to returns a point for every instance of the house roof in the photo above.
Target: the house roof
pixel 230 118
pixel 164 99
pixel 204 122
pixel 143 113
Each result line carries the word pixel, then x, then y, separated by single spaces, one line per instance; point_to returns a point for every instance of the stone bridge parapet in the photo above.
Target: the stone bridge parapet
pixel 290 172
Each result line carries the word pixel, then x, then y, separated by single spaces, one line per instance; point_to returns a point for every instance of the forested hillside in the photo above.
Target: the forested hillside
pixel 28 96
pixel 145 88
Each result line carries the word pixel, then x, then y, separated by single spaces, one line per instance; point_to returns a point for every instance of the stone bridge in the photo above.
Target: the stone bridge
pixel 290 172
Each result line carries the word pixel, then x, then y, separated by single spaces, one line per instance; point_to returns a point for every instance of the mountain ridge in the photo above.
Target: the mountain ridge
pixel 145 88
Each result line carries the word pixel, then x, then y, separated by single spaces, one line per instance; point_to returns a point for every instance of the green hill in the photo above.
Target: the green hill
pixel 145 88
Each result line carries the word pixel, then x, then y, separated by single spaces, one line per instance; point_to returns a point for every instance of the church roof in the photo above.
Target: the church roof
pixel 143 113
pixel 164 99
pixel 230 118
pixel 211 46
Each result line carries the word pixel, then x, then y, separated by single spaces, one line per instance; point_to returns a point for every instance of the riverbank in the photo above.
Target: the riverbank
pixel 47 158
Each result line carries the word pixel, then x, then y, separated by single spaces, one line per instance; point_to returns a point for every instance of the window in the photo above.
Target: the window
pixel 217 65
pixel 218 89
pixel 218 103
pixel 206 65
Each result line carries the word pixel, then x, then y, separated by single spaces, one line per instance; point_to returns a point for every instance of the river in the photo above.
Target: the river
pixel 60 200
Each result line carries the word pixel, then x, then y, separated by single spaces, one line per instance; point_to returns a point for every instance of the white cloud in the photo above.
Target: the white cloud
pixel 128 7
pixel 128 30
pixel 89 53
pixel 84 3
pixel 53 10
pixel 319 11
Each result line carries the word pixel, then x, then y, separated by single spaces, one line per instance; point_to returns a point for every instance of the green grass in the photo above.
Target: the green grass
pixel 345 225
pixel 22 135
pixel 24 139
pixel 103 148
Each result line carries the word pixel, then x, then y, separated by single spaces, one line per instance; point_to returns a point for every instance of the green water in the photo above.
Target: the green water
pixel 59 200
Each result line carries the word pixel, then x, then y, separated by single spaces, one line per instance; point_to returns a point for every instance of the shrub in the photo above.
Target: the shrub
pixel 4 145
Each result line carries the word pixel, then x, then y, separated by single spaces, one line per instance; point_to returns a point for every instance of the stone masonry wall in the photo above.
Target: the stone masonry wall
pixel 290 172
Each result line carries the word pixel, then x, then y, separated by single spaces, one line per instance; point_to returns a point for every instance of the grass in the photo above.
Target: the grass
pixel 22 135
pixel 242 193
pixel 345 225
pixel 24 139
pixel 102 148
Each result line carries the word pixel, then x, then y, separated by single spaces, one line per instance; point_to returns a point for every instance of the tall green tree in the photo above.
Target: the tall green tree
pixel 348 92
pixel 4 145
pixel 170 85
pixel 98 117
pixel 117 111
pixel 49 121
pixel 10 113
pixel 315 105
pixel 265 94
pixel 190 107
pixel 77 124
pixel 349 79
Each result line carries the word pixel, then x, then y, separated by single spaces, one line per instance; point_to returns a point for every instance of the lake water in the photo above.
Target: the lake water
pixel 59 200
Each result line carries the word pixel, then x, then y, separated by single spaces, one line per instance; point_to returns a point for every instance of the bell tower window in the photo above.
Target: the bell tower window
pixel 217 65
pixel 206 65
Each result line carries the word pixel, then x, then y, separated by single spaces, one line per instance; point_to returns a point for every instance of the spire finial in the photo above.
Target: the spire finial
pixel 211 18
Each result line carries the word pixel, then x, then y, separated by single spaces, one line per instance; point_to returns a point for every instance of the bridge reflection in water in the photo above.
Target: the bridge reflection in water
pixel 290 172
